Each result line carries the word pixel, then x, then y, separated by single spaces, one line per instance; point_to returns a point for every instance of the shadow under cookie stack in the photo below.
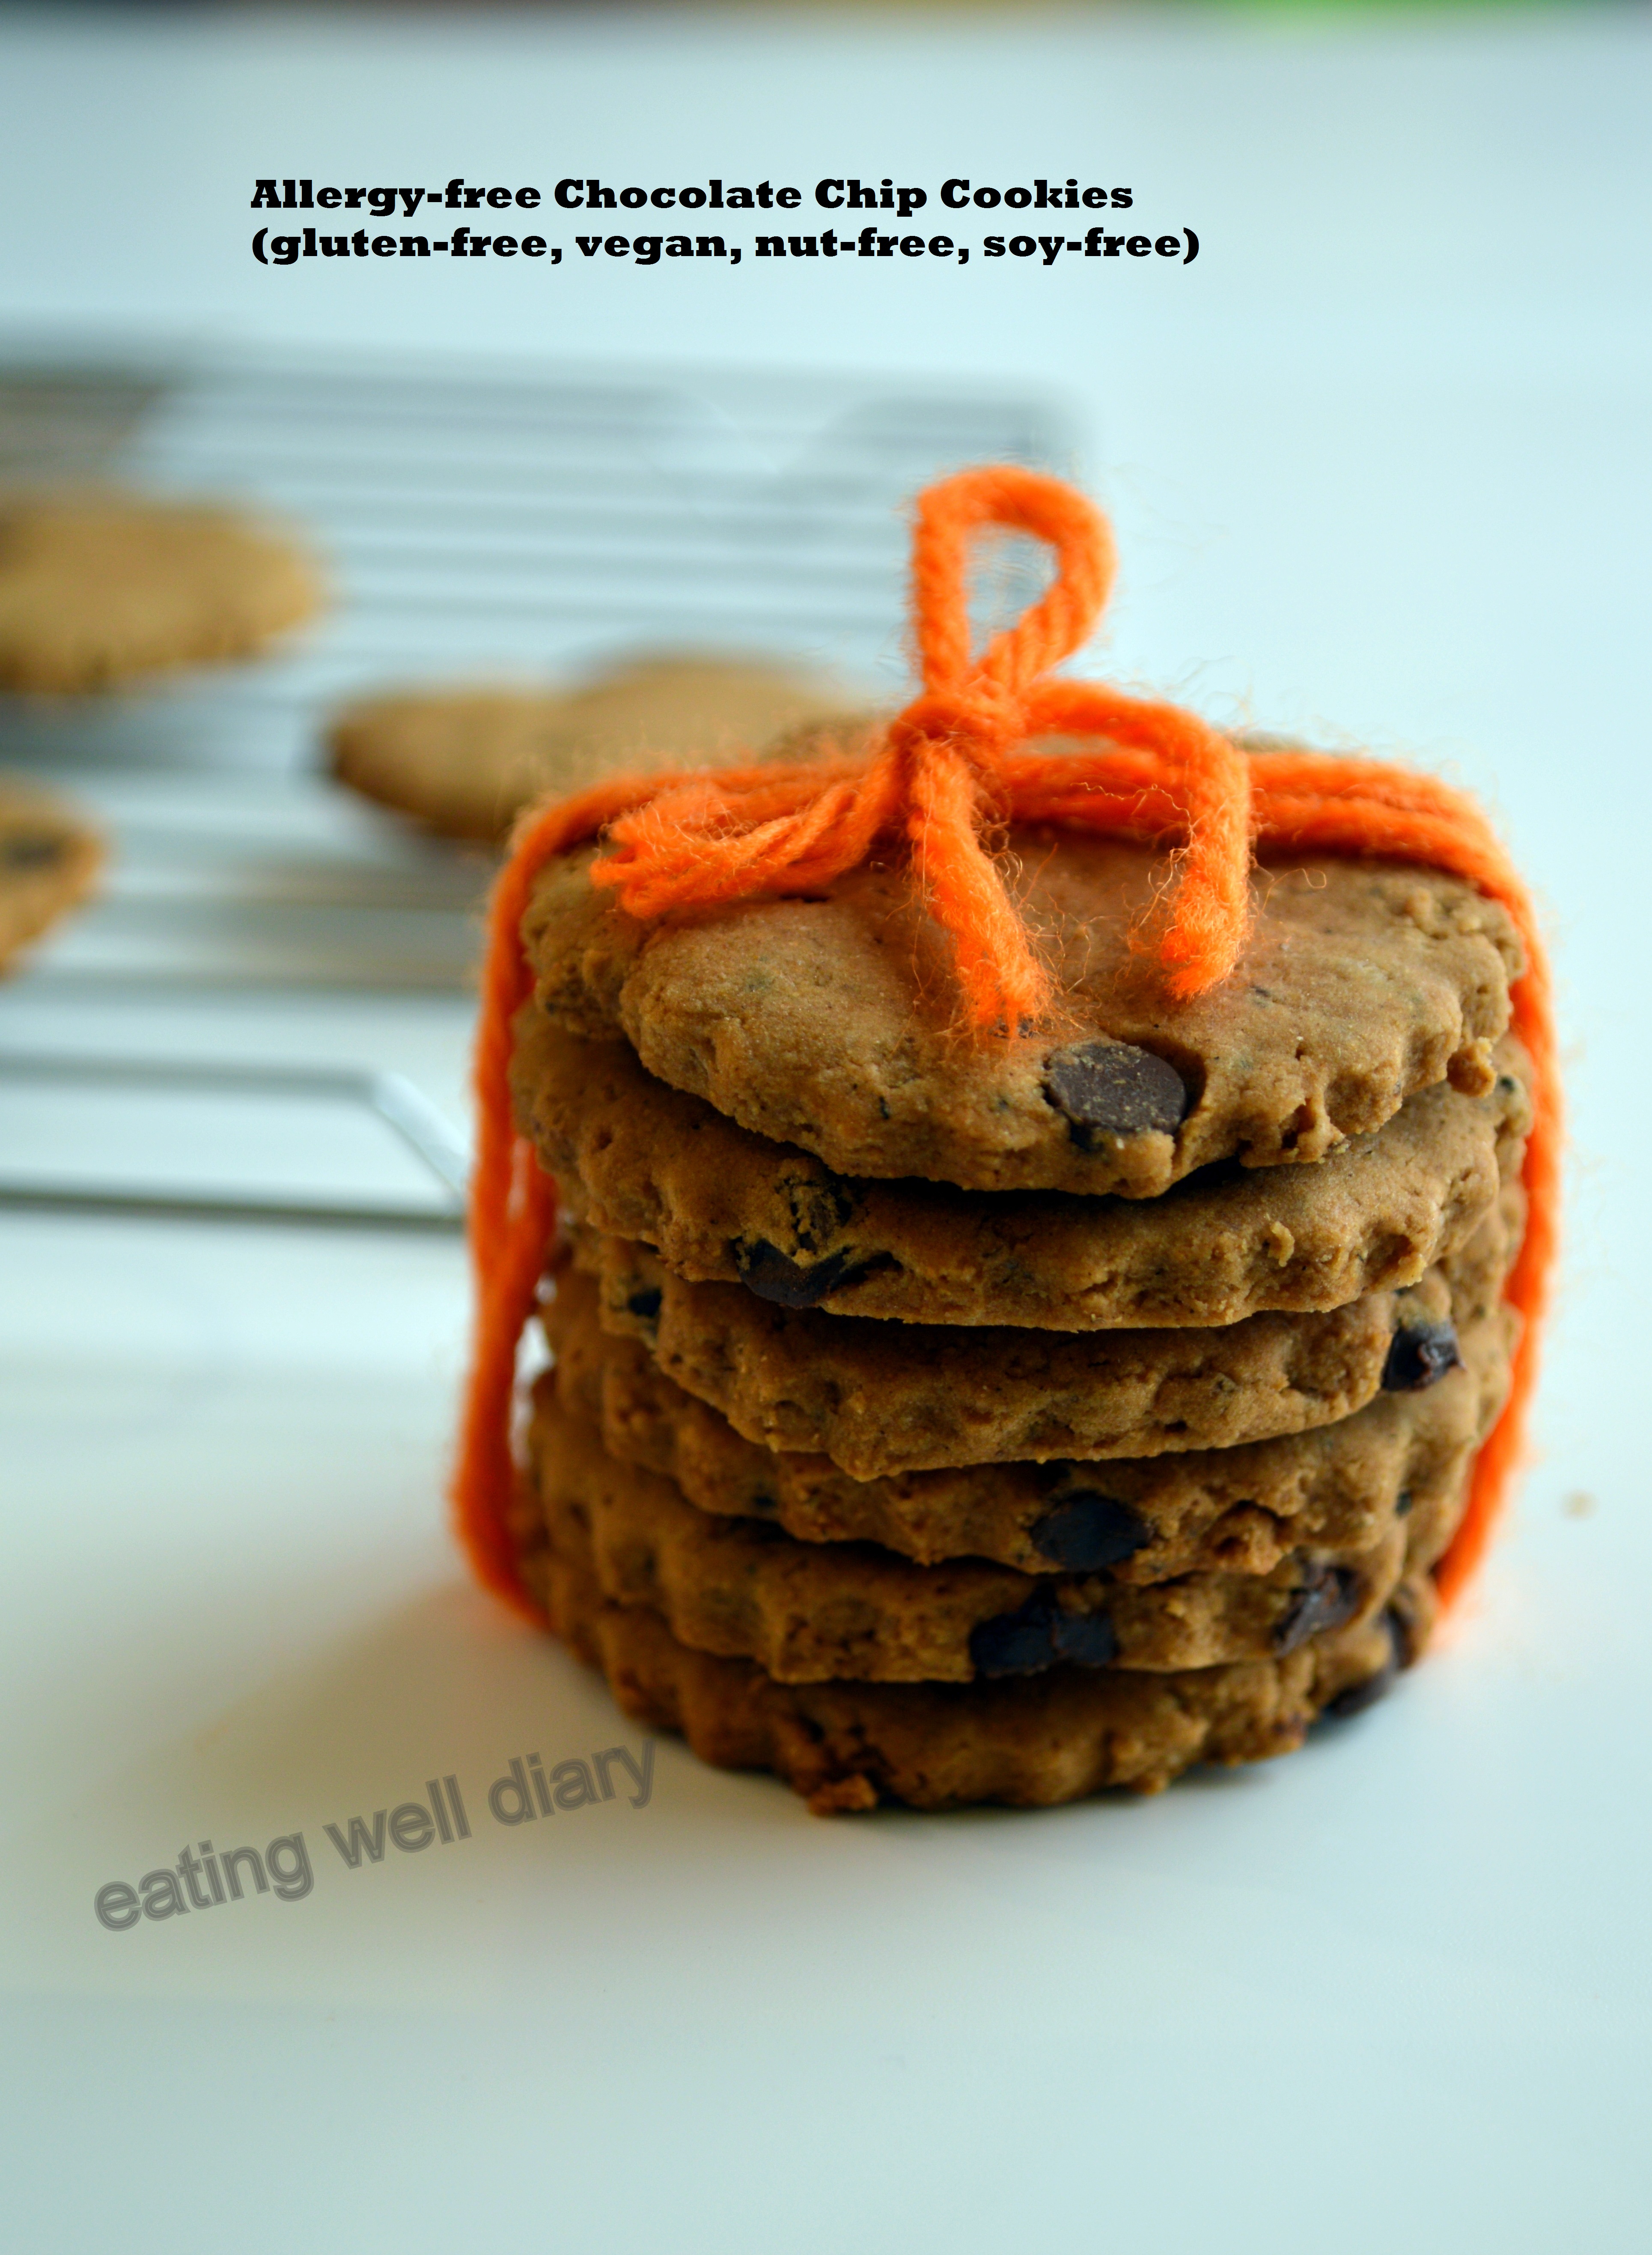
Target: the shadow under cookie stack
pixel 945 1422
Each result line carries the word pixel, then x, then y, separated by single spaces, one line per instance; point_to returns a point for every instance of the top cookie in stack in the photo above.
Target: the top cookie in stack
pixel 948 1421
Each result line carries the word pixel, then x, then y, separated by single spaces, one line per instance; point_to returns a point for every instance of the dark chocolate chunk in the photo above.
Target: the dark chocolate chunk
pixel 1038 1635
pixel 646 1304
pixel 1420 1354
pixel 1355 1698
pixel 774 1276
pixel 1112 1088
pixel 1088 1639
pixel 819 1210
pixel 1013 1644
pixel 1329 1596
pixel 1402 1504
pixel 30 849
pixel 1084 1530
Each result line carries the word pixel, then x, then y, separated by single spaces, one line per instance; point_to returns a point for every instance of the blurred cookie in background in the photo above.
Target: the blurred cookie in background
pixel 100 588
pixel 49 861
pixel 851 733
pixel 465 761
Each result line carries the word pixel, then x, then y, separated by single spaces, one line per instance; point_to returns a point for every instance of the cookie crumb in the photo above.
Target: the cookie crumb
pixel 843 1796
pixel 1472 1072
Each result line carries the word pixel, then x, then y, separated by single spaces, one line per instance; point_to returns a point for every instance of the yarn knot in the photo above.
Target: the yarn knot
pixel 954 761
pixel 978 718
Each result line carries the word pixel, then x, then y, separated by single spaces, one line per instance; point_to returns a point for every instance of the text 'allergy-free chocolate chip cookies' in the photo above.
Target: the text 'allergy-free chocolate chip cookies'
pixel 1042 1220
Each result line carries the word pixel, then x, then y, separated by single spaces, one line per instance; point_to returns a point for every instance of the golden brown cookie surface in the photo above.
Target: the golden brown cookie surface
pixel 98 589
pixel 643 1161
pixel 880 1398
pixel 826 1021
pixel 465 762
pixel 810 1613
pixel 1031 1741
pixel 1217 1511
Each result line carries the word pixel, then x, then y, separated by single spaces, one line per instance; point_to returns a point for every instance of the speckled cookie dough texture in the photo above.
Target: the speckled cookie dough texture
pixel 826 1021
pixel 1214 1511
pixel 465 761
pixel 98 590
pixel 638 1159
pixel 881 1398
pixel 49 860
pixel 1029 1740
pixel 809 1613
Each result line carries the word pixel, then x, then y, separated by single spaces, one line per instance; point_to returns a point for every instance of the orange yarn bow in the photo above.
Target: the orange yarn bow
pixel 957 762
pixel 954 761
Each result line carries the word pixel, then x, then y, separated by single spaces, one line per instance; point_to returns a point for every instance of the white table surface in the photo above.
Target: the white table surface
pixel 1378 464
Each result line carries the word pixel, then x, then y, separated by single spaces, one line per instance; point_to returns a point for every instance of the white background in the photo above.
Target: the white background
pixel 1378 466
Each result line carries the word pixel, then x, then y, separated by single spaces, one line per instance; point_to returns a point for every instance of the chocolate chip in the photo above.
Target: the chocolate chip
pixel 1402 1504
pixel 1088 1639
pixel 30 849
pixel 1085 1530
pixel 645 1304
pixel 1355 1698
pixel 1012 1644
pixel 1037 1635
pixel 819 1210
pixel 1111 1088
pixel 774 1276
pixel 1420 1354
pixel 1329 1596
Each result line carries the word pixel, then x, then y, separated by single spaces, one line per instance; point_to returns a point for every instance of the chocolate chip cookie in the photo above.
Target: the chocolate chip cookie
pixel 826 1021
pixel 881 1398
pixel 465 761
pixel 807 1612
pixel 99 589
pixel 1218 1511
pixel 642 1160
pixel 1028 1740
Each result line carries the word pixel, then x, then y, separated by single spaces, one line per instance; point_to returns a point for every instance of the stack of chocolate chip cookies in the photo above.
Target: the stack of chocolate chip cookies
pixel 947 1421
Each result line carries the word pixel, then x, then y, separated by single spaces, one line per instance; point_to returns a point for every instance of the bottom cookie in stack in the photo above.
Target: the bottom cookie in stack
pixel 1027 1740
pixel 1216 1601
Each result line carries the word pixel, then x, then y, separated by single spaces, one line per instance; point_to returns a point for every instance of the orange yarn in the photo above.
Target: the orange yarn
pixel 955 763
pixel 949 765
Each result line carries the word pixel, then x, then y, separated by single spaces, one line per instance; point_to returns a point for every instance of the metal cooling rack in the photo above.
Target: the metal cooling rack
pixel 516 524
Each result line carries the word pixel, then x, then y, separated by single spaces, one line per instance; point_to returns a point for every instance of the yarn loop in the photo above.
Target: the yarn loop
pixel 948 766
